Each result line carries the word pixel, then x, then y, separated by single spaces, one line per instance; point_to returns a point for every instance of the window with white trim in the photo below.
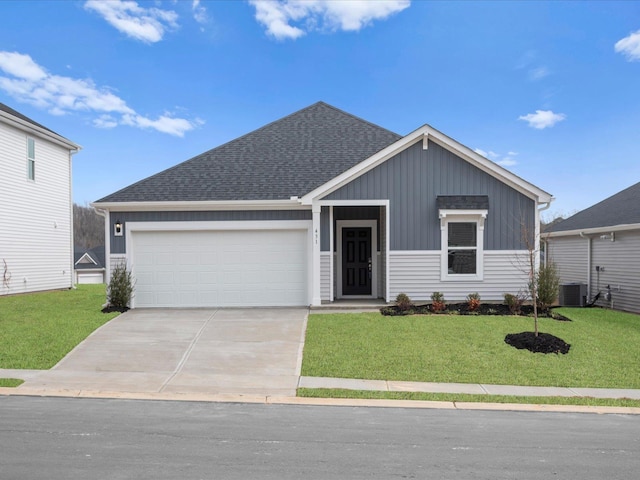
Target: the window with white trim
pixel 31 159
pixel 462 243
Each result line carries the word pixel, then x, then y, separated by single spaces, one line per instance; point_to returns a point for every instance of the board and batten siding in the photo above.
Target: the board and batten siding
pixel 413 179
pixel 620 260
pixel 417 273
pixel 118 244
pixel 35 216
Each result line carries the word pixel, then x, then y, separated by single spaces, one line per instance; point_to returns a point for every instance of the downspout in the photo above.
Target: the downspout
pixel 71 226
pixel 536 240
pixel 588 265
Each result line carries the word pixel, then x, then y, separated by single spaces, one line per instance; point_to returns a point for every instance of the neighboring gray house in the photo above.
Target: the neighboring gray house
pixel 89 265
pixel 600 247
pixel 36 219
pixel 320 206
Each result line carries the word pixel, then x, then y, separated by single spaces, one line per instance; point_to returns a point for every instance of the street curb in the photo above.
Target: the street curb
pixel 311 401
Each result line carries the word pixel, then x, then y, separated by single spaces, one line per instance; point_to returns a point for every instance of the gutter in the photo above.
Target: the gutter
pixel 291 204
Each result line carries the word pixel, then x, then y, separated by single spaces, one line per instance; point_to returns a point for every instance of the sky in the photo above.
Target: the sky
pixel 548 90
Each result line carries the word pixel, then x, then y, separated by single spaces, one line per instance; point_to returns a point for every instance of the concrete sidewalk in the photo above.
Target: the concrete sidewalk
pixel 465 388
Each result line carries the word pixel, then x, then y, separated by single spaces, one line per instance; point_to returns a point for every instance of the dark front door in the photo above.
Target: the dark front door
pixel 356 261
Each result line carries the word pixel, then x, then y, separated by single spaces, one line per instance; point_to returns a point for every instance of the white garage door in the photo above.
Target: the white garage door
pixel 220 268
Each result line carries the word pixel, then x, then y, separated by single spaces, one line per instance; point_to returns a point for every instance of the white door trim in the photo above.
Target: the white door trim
pixel 373 224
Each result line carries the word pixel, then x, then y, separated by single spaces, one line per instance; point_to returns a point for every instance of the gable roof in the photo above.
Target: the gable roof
pixel 23 122
pixel 93 258
pixel 287 158
pixel 623 208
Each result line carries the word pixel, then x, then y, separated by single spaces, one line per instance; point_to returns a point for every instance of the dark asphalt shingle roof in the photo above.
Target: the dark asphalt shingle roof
pixel 96 253
pixel 619 209
pixel 289 157
pixel 15 113
pixel 471 202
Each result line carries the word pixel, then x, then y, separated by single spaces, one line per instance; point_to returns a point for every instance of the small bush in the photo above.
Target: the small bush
pixel 473 301
pixel 515 302
pixel 120 288
pixel 438 303
pixel 403 302
pixel 548 285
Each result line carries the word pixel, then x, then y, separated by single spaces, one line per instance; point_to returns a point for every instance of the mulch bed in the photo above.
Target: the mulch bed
pixel 543 343
pixel 463 309
pixel 109 309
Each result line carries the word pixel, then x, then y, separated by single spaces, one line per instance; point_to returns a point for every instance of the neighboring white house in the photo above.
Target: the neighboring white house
pixel 36 216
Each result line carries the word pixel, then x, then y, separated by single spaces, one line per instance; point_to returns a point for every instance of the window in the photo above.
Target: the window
pixel 462 242
pixel 31 159
pixel 462 248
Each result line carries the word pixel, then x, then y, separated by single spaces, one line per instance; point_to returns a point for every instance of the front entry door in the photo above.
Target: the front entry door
pixel 356 261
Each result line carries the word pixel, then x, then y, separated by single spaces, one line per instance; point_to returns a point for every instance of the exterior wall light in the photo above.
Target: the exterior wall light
pixel 117 228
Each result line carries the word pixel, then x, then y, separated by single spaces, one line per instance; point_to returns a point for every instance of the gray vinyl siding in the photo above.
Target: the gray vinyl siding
pixel 620 260
pixel 346 213
pixel 570 256
pixel 413 179
pixel 118 243
pixel 621 263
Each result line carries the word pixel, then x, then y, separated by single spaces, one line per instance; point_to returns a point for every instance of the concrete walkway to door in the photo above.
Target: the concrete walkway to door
pixel 212 351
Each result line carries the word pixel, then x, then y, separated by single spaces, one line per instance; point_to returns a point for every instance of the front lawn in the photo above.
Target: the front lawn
pixel 38 329
pixel 471 349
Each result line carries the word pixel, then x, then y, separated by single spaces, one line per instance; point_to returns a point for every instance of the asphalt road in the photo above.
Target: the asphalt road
pixel 58 438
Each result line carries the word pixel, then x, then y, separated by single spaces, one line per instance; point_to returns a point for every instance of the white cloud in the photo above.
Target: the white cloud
pixel 542 119
pixel 145 24
pixel 538 73
pixel 199 12
pixel 27 81
pixel 278 15
pixel 503 160
pixel 629 46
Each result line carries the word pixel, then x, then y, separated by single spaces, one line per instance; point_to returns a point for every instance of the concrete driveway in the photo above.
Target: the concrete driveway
pixel 212 351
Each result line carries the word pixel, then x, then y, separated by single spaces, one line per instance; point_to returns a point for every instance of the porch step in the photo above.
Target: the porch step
pixel 351 305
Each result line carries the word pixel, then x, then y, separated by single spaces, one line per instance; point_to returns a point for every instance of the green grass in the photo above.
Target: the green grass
pixel 455 397
pixel 10 382
pixel 471 349
pixel 37 330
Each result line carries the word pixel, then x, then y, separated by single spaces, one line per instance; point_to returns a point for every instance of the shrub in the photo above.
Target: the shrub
pixel 515 302
pixel 548 285
pixel 120 288
pixel 403 302
pixel 438 303
pixel 473 301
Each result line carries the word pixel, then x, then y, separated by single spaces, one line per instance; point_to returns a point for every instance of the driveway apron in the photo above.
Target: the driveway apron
pixel 213 351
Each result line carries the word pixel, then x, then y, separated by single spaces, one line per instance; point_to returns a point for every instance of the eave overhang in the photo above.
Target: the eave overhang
pixel 593 231
pixel 35 130
pixel 292 204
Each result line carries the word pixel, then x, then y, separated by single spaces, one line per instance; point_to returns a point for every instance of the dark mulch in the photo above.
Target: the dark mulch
pixel 463 309
pixel 109 309
pixel 543 343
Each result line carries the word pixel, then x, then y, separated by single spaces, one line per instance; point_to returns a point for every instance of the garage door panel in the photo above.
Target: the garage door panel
pixel 220 268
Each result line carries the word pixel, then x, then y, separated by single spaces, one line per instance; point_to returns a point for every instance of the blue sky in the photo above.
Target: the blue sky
pixel 551 90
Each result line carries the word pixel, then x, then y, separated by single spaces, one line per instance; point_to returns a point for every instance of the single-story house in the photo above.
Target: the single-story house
pixel 36 216
pixel 599 248
pixel 89 265
pixel 320 206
